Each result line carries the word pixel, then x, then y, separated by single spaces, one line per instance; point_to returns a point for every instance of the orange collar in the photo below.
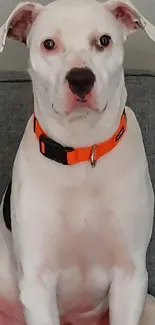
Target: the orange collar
pixel 69 156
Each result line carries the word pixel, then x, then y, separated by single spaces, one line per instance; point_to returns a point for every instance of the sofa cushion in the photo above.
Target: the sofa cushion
pixel 16 105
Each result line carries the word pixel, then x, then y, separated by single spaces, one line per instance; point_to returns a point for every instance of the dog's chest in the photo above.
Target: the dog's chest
pixel 81 255
pixel 89 243
pixel 88 226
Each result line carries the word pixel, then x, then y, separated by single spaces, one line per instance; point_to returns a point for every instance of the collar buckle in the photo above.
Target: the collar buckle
pixel 53 150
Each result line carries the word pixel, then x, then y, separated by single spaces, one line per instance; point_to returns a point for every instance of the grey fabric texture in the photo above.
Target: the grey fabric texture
pixel 16 105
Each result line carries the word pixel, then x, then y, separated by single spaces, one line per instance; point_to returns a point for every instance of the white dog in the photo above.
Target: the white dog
pixel 81 198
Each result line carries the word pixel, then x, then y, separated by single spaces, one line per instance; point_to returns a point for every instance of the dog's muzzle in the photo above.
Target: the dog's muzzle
pixel 80 81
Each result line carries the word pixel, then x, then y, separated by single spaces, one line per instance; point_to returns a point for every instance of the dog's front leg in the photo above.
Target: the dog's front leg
pixel 35 245
pixel 38 297
pixel 37 282
pixel 127 297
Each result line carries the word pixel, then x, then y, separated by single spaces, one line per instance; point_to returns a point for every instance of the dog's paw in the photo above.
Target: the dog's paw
pixel 11 313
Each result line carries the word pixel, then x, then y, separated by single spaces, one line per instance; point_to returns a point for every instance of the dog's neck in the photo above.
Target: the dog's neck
pixel 85 132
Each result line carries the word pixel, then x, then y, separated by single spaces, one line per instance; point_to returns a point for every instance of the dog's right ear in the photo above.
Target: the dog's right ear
pixel 19 23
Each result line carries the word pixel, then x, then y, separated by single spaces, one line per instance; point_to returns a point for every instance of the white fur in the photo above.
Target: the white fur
pixel 80 235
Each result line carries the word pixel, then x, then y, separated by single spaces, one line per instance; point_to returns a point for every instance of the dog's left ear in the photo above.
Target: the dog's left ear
pixel 18 24
pixel 128 15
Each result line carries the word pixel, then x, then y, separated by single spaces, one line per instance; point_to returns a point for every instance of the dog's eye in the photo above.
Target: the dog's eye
pixel 49 44
pixel 105 41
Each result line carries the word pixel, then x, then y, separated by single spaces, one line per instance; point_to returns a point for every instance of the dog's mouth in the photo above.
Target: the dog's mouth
pixel 79 105
pixel 83 103
pixel 82 110
pixel 75 103
pixel 81 100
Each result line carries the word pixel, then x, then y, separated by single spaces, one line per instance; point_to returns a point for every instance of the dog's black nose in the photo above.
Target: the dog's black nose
pixel 81 81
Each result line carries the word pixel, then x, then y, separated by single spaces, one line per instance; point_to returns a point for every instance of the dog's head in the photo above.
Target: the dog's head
pixel 76 51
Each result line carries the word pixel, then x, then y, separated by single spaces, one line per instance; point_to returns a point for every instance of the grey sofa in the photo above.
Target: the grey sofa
pixel 16 105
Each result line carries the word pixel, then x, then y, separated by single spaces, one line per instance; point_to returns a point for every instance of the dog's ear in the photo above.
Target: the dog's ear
pixel 18 24
pixel 128 15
